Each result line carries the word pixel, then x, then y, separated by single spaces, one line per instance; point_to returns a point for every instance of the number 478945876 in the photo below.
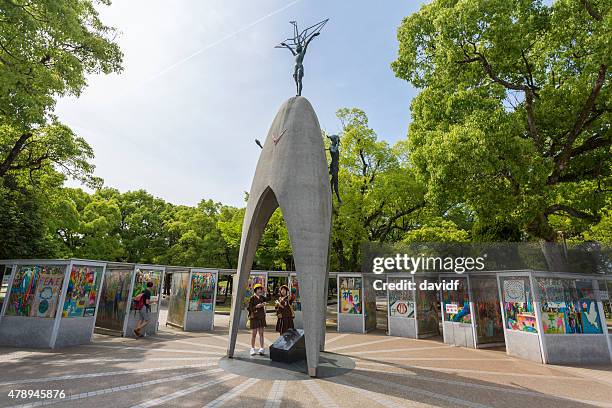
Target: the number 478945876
pixel 38 394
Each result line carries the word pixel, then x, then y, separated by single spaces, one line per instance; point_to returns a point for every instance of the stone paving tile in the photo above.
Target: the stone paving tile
pixel 344 386
pixel 445 363
pixel 254 395
pixel 92 375
pixel 297 394
pixel 484 392
pixel 121 387
pixel 511 376
pixel 86 385
pixel 134 397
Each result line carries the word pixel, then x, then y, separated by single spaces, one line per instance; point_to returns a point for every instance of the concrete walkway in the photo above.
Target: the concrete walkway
pixel 176 369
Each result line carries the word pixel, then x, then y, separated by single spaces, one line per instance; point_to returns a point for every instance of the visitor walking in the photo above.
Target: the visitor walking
pixel 284 311
pixel 142 303
pixel 257 317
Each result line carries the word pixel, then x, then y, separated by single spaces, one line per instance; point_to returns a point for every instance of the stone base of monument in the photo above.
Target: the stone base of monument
pixel 289 347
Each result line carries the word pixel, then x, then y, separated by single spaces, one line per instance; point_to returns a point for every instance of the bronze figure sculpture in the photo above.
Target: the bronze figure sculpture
pixel 334 166
pixel 298 46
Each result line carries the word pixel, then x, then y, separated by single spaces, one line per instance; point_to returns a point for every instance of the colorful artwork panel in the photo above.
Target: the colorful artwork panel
pixel 47 295
pixel 487 310
pixel 35 290
pixel 202 295
pixel 350 295
pixel 401 308
pixel 427 310
pixel 462 315
pixel 114 299
pixel 591 320
pixel 350 301
pixel 142 277
pixel 520 316
pixel 401 302
pixel 253 280
pixel 295 294
pixel 553 322
pixel 514 291
pixel 575 305
pixel 140 284
pixel 457 304
pixel 527 322
pixel 573 318
pixel 82 293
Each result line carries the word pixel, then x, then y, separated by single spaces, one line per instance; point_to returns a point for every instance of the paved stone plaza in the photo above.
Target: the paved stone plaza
pixel 176 369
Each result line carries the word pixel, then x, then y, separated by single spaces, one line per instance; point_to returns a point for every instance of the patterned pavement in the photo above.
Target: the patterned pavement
pixel 176 369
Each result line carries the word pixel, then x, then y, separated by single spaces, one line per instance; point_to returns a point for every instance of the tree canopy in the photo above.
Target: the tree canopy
pixel 513 117
pixel 46 50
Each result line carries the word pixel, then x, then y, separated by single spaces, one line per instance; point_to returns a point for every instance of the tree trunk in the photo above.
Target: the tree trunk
pixel 13 153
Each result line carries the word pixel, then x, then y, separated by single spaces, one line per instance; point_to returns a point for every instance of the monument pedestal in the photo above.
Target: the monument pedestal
pixel 289 347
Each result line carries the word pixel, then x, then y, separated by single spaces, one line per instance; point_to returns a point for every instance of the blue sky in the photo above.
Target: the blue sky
pixel 202 80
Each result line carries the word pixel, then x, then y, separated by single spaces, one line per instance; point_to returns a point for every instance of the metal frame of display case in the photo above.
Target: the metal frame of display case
pixel 52 322
pixel 215 272
pixel 428 276
pixel 172 271
pixel 536 307
pixel 111 267
pixel 546 357
pixel 56 320
pixel 390 323
pixel 606 279
pixel 160 268
pixel 8 287
pixel 79 262
pixel 99 295
pixel 339 276
pixel 608 329
pixel 475 322
pixel 471 304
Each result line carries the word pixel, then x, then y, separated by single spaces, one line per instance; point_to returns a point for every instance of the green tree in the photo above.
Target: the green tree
pixel 142 231
pixel 230 228
pixel 379 192
pixel 101 237
pixel 274 251
pixel 196 238
pixel 513 120
pixel 46 50
pixel 65 223
pixel 24 214
pixel 437 231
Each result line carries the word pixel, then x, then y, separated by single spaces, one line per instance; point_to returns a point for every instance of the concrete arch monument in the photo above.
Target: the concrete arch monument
pixel 292 174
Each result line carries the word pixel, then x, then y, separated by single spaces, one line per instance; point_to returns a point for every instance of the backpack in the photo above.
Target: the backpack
pixel 138 302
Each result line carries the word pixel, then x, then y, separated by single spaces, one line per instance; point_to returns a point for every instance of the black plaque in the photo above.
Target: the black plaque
pixel 289 347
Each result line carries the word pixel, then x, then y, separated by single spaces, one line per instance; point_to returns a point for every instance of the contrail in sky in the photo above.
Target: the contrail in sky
pixel 219 41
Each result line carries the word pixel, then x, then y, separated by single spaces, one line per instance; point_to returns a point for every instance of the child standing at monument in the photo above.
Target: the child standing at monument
pixel 284 311
pixel 257 317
